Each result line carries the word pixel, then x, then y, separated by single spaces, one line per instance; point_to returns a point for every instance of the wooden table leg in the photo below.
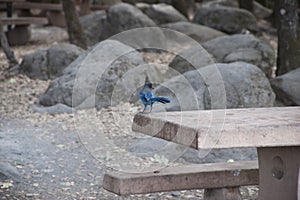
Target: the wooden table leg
pixel 223 194
pixel 278 173
pixel 9 12
pixel 19 35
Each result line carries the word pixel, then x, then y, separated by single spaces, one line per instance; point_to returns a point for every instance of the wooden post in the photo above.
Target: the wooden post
pixel 223 194
pixel 75 31
pixel 288 35
pixel 279 172
pixel 7 50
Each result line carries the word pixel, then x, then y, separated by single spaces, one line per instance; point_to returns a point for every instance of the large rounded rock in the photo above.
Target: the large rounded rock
pixel 150 1
pixel 287 87
pixel 233 85
pixel 48 34
pixel 162 13
pixel 228 3
pixel 108 70
pixel 195 31
pixel 49 63
pixel 226 19
pixel 93 25
pixel 190 59
pixel 258 10
pixel 122 17
pixel 150 146
pixel 246 48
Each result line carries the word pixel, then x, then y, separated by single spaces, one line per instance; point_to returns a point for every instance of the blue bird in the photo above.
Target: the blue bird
pixel 147 97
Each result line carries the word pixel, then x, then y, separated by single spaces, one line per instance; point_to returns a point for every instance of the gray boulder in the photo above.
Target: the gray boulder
pixel 52 110
pixel 150 146
pixel 123 17
pixel 245 48
pixel 155 1
pixel 248 55
pixel 226 19
pixel 106 75
pixel 287 87
pixel 48 34
pixel 93 25
pixel 190 59
pixel 259 10
pixel 228 3
pixel 49 63
pixel 7 171
pixel 195 31
pixel 162 13
pixel 233 85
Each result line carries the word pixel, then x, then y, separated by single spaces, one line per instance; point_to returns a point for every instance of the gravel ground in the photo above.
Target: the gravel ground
pixel 58 156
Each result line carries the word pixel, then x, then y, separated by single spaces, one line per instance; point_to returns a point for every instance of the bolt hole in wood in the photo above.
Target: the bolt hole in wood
pixel 278 168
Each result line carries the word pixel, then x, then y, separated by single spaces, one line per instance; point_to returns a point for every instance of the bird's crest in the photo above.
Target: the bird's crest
pixel 148 82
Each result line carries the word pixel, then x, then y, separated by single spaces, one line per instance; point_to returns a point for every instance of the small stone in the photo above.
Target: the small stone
pixel 31 195
pixel 35 185
pixel 175 193
pixel 6 185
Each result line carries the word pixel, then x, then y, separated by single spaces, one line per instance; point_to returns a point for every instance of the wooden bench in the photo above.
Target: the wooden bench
pixel 40 6
pixel 53 11
pixel 20 34
pixel 275 132
pixel 208 176
pixel 49 13
pixel 23 20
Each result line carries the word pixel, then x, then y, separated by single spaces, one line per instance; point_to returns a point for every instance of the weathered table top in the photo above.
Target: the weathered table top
pixel 206 129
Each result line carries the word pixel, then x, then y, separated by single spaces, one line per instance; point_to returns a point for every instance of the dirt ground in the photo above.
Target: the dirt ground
pixel 45 156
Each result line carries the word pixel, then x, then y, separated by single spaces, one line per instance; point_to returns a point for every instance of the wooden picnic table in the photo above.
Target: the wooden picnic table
pixel 275 132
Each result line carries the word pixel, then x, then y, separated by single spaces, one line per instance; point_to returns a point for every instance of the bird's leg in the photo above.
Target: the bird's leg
pixel 151 107
pixel 144 108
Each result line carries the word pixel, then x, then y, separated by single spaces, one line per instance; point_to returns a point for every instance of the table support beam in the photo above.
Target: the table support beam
pixel 279 172
pixel 223 194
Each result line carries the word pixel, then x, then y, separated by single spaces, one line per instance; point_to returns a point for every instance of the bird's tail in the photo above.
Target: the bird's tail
pixel 161 100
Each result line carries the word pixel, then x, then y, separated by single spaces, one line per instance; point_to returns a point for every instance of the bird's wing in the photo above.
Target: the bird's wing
pixel 149 95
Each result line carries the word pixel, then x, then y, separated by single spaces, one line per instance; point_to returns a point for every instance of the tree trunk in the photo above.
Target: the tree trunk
pixel 5 46
pixel 84 7
pixel 75 31
pixel 288 57
pixel 246 4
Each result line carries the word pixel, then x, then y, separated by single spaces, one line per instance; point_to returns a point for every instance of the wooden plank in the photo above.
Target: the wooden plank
pixel 3 7
pixel 206 129
pixel 41 6
pixel 11 1
pixel 24 20
pixel 196 176
pixel 279 173
pixel 99 7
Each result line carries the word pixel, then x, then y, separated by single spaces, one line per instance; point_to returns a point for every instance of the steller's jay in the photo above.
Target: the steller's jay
pixel 147 97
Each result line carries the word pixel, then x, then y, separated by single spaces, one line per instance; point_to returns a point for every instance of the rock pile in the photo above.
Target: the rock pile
pixel 227 71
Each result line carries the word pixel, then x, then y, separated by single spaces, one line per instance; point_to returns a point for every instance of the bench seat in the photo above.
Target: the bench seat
pixel 40 6
pixel 23 20
pixel 196 176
